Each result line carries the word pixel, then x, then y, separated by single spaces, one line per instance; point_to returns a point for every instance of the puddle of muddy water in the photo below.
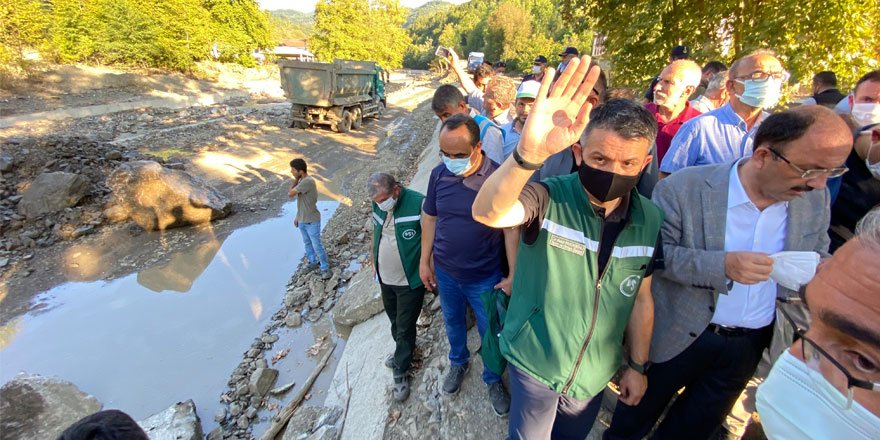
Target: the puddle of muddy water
pixel 175 331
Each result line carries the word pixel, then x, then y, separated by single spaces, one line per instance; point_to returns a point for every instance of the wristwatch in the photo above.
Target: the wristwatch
pixel 637 367
pixel 523 163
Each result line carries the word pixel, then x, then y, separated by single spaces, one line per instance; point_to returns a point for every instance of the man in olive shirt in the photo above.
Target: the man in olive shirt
pixel 308 219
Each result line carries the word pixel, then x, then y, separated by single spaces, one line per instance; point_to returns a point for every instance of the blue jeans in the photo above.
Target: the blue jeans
pixel 454 299
pixel 311 233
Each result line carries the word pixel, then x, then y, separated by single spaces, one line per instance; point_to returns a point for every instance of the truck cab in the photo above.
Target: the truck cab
pixel 474 60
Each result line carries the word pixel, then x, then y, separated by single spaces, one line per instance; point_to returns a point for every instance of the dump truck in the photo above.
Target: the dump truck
pixel 339 94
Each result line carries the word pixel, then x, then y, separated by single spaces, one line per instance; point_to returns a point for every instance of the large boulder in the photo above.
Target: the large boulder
pixel 156 197
pixel 314 423
pixel 360 301
pixel 36 407
pixel 52 192
pixel 178 422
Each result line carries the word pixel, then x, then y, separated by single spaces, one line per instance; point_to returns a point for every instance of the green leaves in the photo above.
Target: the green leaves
pixel 159 33
pixel 809 35
pixel 515 31
pixel 367 30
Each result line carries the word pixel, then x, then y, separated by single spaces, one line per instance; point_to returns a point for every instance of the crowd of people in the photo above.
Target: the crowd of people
pixel 696 249
pixel 739 276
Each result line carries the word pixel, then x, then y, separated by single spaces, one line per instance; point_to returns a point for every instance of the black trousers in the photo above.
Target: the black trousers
pixel 713 371
pixel 403 306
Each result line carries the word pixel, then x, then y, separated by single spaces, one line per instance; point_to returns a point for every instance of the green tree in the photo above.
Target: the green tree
pixel 809 35
pixel 23 24
pixel 343 29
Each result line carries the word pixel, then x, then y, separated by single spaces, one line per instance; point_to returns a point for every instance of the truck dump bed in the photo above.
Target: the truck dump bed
pixel 339 83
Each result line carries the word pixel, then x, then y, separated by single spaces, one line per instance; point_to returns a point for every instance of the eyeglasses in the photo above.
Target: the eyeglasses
pixel 764 76
pixel 818 360
pixel 813 173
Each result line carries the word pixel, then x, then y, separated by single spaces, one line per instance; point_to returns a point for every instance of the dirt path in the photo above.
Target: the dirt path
pixel 243 148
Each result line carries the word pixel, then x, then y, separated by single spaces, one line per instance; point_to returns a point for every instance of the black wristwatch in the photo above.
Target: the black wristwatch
pixel 637 367
pixel 523 163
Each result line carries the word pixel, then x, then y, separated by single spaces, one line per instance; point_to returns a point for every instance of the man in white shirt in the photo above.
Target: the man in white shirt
pixel 714 299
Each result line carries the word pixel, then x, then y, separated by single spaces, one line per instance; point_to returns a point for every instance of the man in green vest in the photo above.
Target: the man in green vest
pixel 585 257
pixel 397 247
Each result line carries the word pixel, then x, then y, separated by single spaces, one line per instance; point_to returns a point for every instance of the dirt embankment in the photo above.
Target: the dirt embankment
pixel 242 147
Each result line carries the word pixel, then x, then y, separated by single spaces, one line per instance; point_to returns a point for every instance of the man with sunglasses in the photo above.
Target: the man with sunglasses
pixel 714 300
pixel 725 134
pixel 827 385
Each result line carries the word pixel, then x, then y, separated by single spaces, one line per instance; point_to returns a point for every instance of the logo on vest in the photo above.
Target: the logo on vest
pixel 630 285
pixel 409 234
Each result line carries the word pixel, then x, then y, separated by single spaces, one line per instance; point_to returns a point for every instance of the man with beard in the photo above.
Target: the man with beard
pixel 671 107
pixel 588 241
pixel 525 97
pixel 715 303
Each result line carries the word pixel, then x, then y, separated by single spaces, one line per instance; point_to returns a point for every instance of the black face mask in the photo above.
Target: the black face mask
pixel 603 185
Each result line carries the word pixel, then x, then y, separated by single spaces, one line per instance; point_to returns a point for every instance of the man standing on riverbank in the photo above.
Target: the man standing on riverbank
pixel 397 248
pixel 308 219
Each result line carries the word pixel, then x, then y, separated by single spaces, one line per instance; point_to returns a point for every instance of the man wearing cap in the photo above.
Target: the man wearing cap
pixel 567 55
pixel 677 53
pixel 525 96
pixel 538 68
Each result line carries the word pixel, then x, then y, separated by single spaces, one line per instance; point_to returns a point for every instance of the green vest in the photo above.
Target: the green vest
pixel 565 322
pixel 407 228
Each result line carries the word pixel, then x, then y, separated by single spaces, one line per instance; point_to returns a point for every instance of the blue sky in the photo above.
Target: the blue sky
pixel 309 5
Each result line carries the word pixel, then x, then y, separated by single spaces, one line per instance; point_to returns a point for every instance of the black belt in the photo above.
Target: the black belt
pixel 723 330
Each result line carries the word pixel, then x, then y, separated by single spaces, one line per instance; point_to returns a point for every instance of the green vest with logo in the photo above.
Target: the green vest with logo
pixel 565 322
pixel 408 229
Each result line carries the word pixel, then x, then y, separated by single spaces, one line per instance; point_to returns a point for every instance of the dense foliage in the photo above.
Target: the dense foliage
pixel 160 33
pixel 360 30
pixel 514 31
pixel 809 35
pixel 290 24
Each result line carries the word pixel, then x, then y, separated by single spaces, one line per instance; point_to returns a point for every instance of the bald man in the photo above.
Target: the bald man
pixel 724 135
pixel 714 301
pixel 671 108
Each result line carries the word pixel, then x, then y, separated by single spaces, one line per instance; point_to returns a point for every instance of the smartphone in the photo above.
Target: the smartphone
pixel 442 52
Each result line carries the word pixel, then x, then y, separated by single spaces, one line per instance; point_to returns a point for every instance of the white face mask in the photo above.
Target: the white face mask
pixel 793 269
pixel 866 113
pixel 536 69
pixel 875 167
pixel 388 204
pixel 795 402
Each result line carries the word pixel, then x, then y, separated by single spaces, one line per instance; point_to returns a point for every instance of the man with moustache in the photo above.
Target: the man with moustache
pixel 671 107
pixel 714 300
pixel 723 135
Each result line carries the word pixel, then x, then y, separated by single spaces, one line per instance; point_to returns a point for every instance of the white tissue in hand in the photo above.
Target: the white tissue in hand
pixel 793 269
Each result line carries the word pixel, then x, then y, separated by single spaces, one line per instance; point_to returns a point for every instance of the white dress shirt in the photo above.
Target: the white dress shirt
pixel 749 229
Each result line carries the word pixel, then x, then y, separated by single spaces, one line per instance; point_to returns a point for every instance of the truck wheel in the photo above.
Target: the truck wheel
pixel 357 119
pixel 344 126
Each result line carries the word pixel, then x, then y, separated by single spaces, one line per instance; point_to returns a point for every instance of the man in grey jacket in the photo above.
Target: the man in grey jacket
pixel 714 300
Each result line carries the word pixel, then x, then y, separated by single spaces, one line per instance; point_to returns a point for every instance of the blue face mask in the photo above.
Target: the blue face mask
pixel 456 166
pixel 761 94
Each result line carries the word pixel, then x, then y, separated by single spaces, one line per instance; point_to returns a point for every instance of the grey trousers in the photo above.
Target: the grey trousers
pixel 537 412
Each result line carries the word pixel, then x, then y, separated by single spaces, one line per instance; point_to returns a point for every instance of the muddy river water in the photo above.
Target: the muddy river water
pixel 171 332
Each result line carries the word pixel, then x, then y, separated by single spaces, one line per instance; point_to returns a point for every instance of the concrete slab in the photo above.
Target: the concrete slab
pixel 363 361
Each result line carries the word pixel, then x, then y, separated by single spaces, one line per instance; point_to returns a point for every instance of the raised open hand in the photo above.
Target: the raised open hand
pixel 560 113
